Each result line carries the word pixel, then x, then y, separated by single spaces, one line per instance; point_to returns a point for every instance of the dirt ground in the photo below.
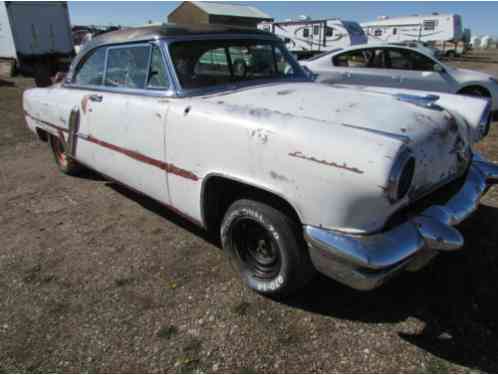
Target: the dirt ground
pixel 95 278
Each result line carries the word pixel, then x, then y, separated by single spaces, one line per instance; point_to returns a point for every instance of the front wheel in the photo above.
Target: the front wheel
pixel 266 247
pixel 65 163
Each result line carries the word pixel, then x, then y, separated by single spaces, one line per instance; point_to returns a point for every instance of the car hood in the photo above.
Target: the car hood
pixel 435 137
pixel 378 112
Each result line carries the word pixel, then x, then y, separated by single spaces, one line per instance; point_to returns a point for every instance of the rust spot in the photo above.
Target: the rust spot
pixel 402 138
pixel 84 103
pixel 168 167
pixel 285 92
pixel 277 176
pixel 58 128
pixel 383 188
pixel 300 155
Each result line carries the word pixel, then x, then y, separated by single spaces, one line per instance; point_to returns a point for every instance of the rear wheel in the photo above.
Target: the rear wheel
pixel 266 247
pixel 64 162
pixel 451 54
pixel 42 75
pixel 477 91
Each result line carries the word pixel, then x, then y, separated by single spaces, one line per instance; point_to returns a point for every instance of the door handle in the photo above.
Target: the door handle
pixel 96 98
pixel 347 74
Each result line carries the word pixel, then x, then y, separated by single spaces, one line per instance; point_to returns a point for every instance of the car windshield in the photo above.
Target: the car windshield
pixel 209 63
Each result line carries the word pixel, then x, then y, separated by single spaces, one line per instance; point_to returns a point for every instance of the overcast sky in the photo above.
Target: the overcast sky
pixel 480 17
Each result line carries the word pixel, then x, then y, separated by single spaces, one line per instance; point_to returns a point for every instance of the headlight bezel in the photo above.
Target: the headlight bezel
pixel 485 120
pixel 401 176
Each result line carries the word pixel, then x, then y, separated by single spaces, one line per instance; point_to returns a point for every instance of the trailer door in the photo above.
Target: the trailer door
pixel 40 28
pixel 316 36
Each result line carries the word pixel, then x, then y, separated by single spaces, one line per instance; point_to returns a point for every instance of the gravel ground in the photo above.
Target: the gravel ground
pixel 95 278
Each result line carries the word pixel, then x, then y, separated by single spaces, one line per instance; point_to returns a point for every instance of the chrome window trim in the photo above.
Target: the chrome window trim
pixel 180 92
pixel 78 60
pixel 175 90
pixel 147 91
pixel 128 46
pixel 165 67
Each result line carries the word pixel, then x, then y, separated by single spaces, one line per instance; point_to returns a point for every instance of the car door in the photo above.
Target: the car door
pixel 76 94
pixel 128 118
pixel 413 70
pixel 364 67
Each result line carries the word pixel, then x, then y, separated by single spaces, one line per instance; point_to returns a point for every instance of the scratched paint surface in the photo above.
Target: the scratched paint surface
pixel 327 150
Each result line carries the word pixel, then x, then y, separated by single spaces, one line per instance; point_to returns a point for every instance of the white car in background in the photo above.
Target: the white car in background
pixel 391 66
pixel 425 49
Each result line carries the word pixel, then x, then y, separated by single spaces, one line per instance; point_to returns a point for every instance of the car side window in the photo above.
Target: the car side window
pixel 409 60
pixel 353 59
pixel 367 58
pixel 90 72
pixel 422 63
pixel 127 67
pixel 158 78
pixel 213 62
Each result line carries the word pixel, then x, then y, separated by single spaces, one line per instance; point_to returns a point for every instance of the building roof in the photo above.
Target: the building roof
pixel 138 34
pixel 232 10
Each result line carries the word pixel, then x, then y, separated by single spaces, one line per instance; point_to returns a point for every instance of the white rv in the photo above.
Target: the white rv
pixel 424 28
pixel 307 37
pixel 35 36
pixel 475 42
pixel 487 41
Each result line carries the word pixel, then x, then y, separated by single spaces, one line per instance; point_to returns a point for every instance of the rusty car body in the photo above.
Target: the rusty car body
pixel 296 176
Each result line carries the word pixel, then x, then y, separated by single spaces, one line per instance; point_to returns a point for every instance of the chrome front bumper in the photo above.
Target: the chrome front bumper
pixel 366 262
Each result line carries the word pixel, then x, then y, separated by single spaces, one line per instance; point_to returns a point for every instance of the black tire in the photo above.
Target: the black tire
pixel 475 91
pixel 266 247
pixel 451 54
pixel 42 75
pixel 65 164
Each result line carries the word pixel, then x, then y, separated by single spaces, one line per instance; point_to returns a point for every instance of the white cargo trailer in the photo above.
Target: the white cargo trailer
pixel 36 36
pixel 425 28
pixel 307 37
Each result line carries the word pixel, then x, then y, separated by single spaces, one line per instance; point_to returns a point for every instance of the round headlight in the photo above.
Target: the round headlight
pixel 401 176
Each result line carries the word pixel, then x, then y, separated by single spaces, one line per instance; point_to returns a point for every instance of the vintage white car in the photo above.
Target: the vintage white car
pixel 224 127
pixel 389 65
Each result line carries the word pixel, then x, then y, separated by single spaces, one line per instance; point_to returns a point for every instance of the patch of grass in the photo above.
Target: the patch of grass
pixel 122 281
pixel 167 332
pixel 437 365
pixel 192 346
pixel 186 365
pixel 241 308
pixel 247 370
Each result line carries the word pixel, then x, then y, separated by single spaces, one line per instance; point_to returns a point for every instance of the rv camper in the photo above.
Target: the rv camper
pixel 35 37
pixel 306 37
pixel 487 41
pixel 424 28
pixel 475 42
